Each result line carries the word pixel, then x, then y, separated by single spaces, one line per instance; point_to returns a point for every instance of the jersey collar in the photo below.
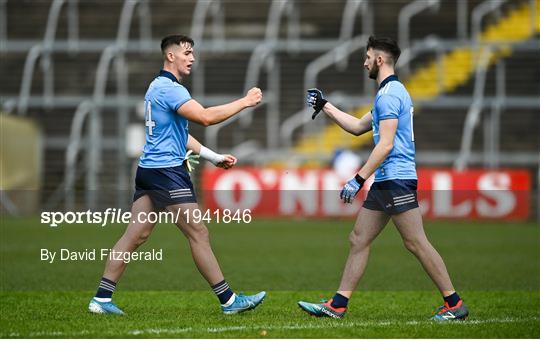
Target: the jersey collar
pixel 167 74
pixel 387 80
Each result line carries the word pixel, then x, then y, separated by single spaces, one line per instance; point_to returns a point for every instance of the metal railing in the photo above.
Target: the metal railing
pixel 462 19
pixel 350 12
pixel 92 109
pixel 264 56
pixel 473 115
pixel 72 151
pixel 404 20
pixel 44 51
pixel 478 13
pixel 3 24
pixel 202 9
pixel 313 69
pixel 535 26
pixel 302 118
pixel 492 131
pixel 428 45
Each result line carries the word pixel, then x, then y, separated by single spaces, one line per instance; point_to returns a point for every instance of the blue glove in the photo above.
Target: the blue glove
pixel 315 99
pixel 351 189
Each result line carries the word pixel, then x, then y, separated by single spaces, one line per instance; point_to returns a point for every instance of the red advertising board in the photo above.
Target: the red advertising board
pixel 478 194
pixel 442 193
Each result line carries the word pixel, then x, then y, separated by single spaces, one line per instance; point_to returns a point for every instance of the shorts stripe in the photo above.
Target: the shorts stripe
pixel 405 202
pixel 402 198
pixel 181 195
pixel 396 197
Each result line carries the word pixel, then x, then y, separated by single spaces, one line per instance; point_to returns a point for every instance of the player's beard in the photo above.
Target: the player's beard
pixel 374 72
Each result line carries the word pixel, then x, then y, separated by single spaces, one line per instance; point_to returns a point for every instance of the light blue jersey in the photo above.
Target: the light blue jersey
pixel 166 130
pixel 394 102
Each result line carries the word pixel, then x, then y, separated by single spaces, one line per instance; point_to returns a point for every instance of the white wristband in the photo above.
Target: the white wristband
pixel 211 156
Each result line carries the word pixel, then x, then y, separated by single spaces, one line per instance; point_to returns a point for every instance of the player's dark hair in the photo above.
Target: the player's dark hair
pixel 385 44
pixel 176 39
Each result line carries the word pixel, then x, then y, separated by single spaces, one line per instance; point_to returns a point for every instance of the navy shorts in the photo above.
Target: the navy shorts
pixel 164 186
pixel 392 196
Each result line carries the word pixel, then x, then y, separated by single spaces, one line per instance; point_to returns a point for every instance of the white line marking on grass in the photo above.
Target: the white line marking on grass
pixel 227 329
pixel 55 333
pixel 307 326
pixel 160 331
pixel 361 324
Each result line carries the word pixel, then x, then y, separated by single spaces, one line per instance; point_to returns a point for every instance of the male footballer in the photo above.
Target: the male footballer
pixel 162 181
pixel 393 193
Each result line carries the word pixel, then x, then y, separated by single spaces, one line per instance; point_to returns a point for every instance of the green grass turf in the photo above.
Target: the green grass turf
pixel 196 314
pixel 495 267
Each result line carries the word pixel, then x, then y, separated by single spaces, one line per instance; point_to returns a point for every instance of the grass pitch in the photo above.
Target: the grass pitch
pixel 495 267
pixel 196 314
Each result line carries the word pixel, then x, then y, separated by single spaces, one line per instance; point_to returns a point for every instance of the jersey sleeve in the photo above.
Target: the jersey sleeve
pixel 176 97
pixel 388 107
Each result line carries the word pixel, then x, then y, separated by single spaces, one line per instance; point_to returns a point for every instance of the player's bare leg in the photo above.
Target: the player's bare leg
pixel 199 242
pixel 409 225
pixel 135 235
pixel 369 224
pixel 201 250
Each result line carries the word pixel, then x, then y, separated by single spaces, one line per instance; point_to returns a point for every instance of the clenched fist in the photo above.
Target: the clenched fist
pixel 228 162
pixel 253 96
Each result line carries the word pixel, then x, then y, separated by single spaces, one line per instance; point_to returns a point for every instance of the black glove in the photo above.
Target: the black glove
pixel 316 100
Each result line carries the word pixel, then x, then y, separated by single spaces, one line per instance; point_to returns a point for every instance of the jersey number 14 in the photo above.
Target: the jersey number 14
pixel 148 118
